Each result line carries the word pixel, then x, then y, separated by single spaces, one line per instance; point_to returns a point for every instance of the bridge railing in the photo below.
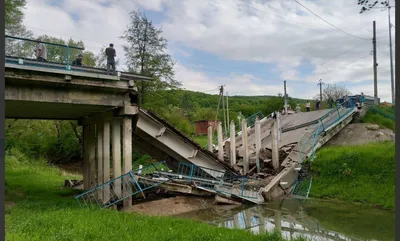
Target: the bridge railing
pixel 25 52
pixel 118 189
pixel 309 140
pixel 227 183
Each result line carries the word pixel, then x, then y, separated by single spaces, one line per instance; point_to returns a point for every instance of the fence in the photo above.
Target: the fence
pixel 118 189
pixel 25 52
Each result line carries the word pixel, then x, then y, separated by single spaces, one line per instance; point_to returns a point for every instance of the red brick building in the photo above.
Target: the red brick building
pixel 202 126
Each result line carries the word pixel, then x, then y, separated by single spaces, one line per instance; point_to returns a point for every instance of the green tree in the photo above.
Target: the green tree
pixel 14 27
pixel 59 54
pixel 13 13
pixel 145 52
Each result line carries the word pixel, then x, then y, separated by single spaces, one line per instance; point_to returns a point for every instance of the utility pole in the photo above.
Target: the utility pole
pixel 284 89
pixel 223 110
pixel 320 89
pixel 391 57
pixel 375 64
pixel 367 7
pixel 227 110
pixel 219 101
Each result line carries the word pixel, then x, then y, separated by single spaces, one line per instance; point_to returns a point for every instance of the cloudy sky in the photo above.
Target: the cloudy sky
pixel 251 46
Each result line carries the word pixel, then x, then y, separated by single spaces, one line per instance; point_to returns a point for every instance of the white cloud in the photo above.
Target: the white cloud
pixel 245 84
pixel 279 32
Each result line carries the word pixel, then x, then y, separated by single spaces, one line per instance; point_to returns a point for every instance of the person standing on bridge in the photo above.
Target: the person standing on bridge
pixel 78 61
pixel 298 108
pixel 330 102
pixel 308 106
pixel 110 53
pixel 41 52
pixel 318 104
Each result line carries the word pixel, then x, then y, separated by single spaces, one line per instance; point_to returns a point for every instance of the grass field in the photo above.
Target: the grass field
pixel 364 173
pixel 382 121
pixel 39 208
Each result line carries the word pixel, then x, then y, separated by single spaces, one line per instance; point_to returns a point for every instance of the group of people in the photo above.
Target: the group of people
pixel 109 52
pixel 317 105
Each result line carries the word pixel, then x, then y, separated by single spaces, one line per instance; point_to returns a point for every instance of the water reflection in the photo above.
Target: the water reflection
pixel 312 219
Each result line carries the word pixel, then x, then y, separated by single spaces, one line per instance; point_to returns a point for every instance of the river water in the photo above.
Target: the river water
pixel 310 218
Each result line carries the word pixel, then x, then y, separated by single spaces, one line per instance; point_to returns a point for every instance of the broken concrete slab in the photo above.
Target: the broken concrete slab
pixel 270 191
pixel 222 200
pixel 289 179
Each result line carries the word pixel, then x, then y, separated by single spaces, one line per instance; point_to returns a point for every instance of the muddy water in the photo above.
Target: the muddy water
pixel 313 219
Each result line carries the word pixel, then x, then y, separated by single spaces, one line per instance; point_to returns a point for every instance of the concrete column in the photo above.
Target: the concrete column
pixel 92 155
pixel 245 148
pixel 106 157
pixel 278 122
pixel 86 165
pixel 99 159
pixel 233 144
pixel 257 130
pixel 210 137
pixel 220 142
pixel 116 154
pixel 274 145
pixel 127 153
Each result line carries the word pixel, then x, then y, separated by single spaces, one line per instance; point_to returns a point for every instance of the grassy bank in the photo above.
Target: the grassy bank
pixel 39 208
pixel 364 173
pixel 381 120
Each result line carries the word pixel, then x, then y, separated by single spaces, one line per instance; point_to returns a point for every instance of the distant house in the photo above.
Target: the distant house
pixel 202 126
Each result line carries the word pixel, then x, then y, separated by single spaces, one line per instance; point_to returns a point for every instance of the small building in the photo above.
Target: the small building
pixel 202 126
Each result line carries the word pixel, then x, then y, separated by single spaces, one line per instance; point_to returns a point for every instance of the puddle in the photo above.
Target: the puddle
pixel 313 219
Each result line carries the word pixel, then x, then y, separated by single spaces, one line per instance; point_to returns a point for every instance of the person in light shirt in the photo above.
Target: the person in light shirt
pixel 308 106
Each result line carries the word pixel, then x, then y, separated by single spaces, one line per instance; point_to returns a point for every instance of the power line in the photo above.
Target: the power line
pixel 330 23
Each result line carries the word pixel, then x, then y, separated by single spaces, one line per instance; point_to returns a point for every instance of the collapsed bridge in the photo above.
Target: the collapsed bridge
pixel 261 162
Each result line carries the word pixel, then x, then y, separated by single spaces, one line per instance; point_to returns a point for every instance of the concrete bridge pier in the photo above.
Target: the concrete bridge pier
pixel 107 146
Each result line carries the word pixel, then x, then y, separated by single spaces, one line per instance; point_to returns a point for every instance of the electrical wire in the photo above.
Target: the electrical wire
pixel 330 23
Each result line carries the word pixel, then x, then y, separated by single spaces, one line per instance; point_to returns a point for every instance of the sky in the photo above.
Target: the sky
pixel 250 46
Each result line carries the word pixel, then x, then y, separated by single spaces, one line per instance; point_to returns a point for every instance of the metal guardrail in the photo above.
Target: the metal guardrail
pixel 227 183
pixel 23 51
pixel 309 140
pixel 118 189
pixel 27 49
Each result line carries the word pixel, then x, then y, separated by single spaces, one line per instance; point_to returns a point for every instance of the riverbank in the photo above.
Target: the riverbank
pixel 363 174
pixel 39 208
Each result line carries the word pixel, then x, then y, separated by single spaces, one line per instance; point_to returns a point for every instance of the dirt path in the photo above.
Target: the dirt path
pixel 360 133
pixel 172 206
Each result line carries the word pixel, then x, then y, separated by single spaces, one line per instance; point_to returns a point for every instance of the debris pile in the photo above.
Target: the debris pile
pixel 266 168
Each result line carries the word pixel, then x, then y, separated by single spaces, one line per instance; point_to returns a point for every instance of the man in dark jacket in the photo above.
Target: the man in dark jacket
pixel 318 104
pixel 110 53
pixel 78 61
